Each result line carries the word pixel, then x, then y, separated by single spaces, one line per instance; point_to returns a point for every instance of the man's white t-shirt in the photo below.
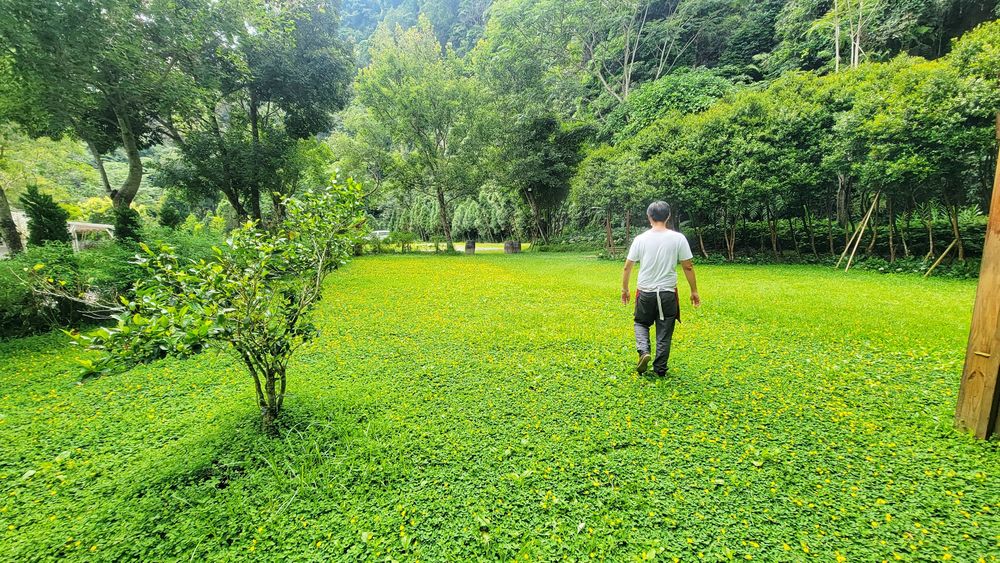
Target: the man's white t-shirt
pixel 658 253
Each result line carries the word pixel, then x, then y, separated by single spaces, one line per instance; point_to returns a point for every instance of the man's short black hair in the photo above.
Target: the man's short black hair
pixel 658 211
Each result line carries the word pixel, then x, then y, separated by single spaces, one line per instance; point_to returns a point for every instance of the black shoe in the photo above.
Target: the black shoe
pixel 663 373
pixel 643 363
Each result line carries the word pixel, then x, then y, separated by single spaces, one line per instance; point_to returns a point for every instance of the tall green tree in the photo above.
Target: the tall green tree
pixel 267 83
pixel 433 110
pixel 104 71
pixel 539 157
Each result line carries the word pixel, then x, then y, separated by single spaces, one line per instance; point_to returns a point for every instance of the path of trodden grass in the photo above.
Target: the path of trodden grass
pixel 483 408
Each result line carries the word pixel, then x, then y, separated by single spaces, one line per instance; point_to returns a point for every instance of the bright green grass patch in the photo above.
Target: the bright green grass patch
pixel 481 408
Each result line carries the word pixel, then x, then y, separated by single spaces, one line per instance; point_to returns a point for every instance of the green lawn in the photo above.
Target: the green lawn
pixel 481 408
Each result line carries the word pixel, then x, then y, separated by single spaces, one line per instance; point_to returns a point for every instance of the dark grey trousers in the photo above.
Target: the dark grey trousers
pixel 663 313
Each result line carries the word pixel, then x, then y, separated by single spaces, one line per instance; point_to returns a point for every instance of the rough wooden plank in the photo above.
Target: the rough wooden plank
pixel 979 395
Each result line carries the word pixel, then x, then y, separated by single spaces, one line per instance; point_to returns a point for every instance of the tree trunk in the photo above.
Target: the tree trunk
pixel 609 233
pixel 255 137
pixel 443 216
pixel 844 206
pixel 772 225
pixel 282 384
pixel 807 223
pixel 729 234
pixel 269 410
pixel 269 421
pixel 234 200
pixel 229 190
pixel 929 223
pixel 628 228
pixel 836 35
pixel 99 165
pixel 701 242
pixel 8 228
pixel 795 237
pixel 903 233
pixel 874 224
pixel 536 215
pixel 122 198
pixel 953 215
pixel 892 234
pixel 829 230
pixel 255 203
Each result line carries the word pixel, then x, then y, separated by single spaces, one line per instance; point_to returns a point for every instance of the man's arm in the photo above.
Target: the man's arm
pixel 625 279
pixel 688 266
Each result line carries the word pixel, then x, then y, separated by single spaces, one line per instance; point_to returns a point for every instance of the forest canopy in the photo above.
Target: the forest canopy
pixel 769 125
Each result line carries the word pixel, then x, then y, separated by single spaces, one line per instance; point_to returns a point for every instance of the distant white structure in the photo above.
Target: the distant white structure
pixel 79 232
pixel 380 235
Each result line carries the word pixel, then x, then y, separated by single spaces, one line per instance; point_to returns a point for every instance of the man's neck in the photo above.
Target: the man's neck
pixel 659 227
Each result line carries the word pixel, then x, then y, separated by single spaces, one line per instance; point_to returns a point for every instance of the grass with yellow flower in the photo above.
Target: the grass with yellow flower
pixel 484 408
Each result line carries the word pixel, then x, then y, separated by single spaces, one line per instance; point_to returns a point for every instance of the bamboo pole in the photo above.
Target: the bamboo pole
pixel 843 254
pixel 941 258
pixel 854 236
pixel 864 226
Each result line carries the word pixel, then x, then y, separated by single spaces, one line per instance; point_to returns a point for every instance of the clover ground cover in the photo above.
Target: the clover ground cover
pixel 484 408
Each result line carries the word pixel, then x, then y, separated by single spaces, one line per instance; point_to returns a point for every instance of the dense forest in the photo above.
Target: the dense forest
pixel 771 126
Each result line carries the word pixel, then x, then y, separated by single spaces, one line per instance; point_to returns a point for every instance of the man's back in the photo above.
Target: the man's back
pixel 658 252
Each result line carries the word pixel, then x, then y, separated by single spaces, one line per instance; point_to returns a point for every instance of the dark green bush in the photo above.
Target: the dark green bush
pixel 46 220
pixel 128 225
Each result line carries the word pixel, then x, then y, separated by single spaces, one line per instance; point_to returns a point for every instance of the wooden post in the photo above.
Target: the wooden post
pixel 979 395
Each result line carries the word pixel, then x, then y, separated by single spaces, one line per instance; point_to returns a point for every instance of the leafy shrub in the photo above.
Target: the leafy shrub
pixel 256 295
pixel 128 225
pixel 170 217
pixel 955 269
pixel 103 272
pixel 46 220
pixel 97 210
pixel 404 239
pixel 23 312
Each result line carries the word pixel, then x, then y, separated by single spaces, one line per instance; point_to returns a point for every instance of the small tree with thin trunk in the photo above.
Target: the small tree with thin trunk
pixel 256 295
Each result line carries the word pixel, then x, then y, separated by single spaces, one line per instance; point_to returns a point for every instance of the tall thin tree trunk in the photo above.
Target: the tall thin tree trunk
pixel 904 232
pixel 829 230
pixel 836 35
pixel 810 231
pixel 628 228
pixel 795 237
pixel 536 215
pixel 701 242
pixel 892 233
pixel 772 225
pixel 953 215
pixel 255 137
pixel 609 233
pixel 844 206
pixel 8 228
pixel 443 216
pixel 929 223
pixel 99 165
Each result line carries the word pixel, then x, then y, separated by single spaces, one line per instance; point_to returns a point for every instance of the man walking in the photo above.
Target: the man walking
pixel 657 251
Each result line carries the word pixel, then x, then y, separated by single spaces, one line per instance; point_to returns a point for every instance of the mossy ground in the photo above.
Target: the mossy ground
pixel 484 408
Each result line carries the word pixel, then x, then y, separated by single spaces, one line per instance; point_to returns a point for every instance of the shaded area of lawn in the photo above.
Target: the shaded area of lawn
pixel 484 408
